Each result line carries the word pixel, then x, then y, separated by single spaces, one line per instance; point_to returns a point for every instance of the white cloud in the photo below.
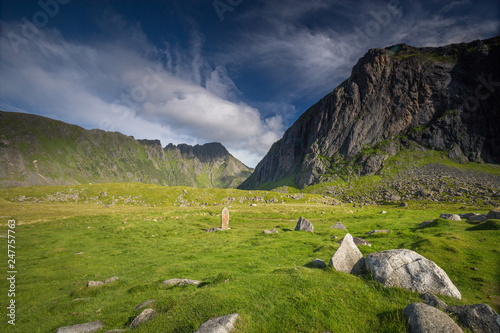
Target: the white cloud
pixel 112 86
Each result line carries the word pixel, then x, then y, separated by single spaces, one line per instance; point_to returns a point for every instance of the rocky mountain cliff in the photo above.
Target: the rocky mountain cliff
pixel 35 150
pixel 444 99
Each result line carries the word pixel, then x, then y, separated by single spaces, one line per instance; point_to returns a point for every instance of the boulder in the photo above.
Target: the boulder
pixel 348 258
pixel 143 317
pixel 385 231
pixel 338 225
pixel 82 328
pixel 433 300
pixel 219 325
pixel 316 263
pixel 479 318
pixel 409 270
pixel 452 217
pixel 304 225
pixel 494 214
pixel 180 282
pixel 477 218
pixel 423 318
pixel 358 241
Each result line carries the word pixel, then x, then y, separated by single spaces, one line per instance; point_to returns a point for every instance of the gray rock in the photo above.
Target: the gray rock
pixel 423 318
pixel 477 218
pixel 143 317
pixel 425 223
pixel 338 225
pixel 453 217
pixel 358 241
pixel 214 229
pixel 219 325
pixel 180 282
pixel 385 231
pixel 253 205
pixel 494 214
pixel 433 300
pixel 114 278
pixel 403 204
pixel 82 328
pixel 409 270
pixel 144 304
pixel 383 212
pixel 273 231
pixel 100 283
pixel 348 258
pixel 316 263
pixel 467 215
pixel 479 318
pixel 304 225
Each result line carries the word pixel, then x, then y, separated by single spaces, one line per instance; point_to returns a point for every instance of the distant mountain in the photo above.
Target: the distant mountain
pixel 442 99
pixel 35 150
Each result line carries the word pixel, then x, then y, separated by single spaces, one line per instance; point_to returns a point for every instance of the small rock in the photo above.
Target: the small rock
pixel 114 278
pixel 358 241
pixel 477 218
pixel 144 304
pixel 214 229
pixel 95 283
pixel 403 204
pixel 180 282
pixel 304 225
pixel 468 215
pixel 478 318
pixel 425 223
pixel 104 194
pixel 273 231
pixel 77 254
pixel 494 214
pixel 433 300
pixel 452 217
pixel 348 258
pixel 219 325
pixel 386 231
pixel 316 263
pixel 383 212
pixel 422 318
pixel 338 225
pixel 145 316
pixel 253 205
pixel 82 328
pixel 155 220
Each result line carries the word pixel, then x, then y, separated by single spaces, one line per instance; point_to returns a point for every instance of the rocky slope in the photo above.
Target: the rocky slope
pixel 36 150
pixel 444 99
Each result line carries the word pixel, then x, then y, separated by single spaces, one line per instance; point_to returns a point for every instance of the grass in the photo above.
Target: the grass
pixel 146 238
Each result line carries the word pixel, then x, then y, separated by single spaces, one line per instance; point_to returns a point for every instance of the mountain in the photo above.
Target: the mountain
pixel 35 150
pixel 438 100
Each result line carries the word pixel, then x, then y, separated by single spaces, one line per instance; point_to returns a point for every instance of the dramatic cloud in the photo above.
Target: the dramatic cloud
pixel 138 90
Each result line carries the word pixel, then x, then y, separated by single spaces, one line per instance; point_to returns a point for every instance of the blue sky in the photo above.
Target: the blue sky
pixel 239 72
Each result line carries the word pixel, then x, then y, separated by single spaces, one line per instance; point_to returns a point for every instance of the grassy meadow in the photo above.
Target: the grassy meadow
pixel 145 234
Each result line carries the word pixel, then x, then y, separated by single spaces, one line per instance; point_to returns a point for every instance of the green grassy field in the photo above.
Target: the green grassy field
pixel 142 234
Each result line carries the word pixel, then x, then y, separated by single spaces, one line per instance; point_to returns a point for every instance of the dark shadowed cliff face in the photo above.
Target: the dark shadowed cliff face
pixel 445 99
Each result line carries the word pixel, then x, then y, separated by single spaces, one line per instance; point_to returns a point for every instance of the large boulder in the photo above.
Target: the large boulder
pixel 348 258
pixel 219 325
pixel 479 318
pixel 423 318
pixel 304 224
pixel 494 214
pixel 409 270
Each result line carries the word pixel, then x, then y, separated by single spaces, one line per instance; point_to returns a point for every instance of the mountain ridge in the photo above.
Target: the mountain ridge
pixel 36 150
pixel 444 99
